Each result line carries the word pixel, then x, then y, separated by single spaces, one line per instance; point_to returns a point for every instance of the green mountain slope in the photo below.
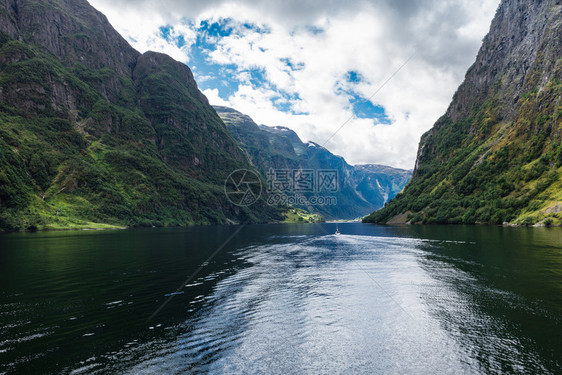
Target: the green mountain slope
pixel 361 189
pixel 94 134
pixel 496 155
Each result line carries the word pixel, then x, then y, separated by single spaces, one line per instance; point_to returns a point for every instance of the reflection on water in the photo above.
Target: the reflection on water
pixel 284 299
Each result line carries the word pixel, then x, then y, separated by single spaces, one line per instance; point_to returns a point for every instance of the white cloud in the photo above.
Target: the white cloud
pixel 142 29
pixel 213 96
pixel 369 37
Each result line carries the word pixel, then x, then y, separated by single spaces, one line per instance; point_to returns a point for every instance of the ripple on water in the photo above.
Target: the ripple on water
pixel 311 305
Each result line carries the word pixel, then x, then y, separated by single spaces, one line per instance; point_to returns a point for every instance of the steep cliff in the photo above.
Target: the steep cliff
pixel 94 133
pixel 496 154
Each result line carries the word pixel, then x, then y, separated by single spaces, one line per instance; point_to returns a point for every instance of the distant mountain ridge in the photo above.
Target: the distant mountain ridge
pixel 389 180
pixel 362 188
pixel 93 133
pixel 496 155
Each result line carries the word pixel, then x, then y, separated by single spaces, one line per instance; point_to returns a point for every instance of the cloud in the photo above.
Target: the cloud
pixel 144 30
pixel 289 62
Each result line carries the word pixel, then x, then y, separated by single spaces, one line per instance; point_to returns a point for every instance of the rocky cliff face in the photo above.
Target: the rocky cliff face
pixel 495 155
pixel 190 134
pixel 362 188
pixel 71 30
pixel 387 180
pixel 94 132
pixel 519 54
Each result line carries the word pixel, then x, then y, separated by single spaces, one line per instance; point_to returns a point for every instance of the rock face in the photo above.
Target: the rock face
pixel 190 135
pixel 361 188
pixel 71 30
pixel 94 132
pixel 495 155
pixel 381 178
pixel 520 53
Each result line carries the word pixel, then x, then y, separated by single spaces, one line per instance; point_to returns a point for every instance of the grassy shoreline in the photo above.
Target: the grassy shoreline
pixel 102 227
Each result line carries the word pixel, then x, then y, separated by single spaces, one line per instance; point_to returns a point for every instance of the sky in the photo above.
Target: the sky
pixel 363 78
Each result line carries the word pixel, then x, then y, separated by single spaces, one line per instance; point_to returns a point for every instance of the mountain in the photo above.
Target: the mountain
pixel 374 179
pixel 496 154
pixel 93 133
pixel 360 189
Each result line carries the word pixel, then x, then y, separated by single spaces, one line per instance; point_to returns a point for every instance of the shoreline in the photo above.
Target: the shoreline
pixel 506 225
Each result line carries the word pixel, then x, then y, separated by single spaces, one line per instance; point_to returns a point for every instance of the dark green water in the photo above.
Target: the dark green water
pixel 283 299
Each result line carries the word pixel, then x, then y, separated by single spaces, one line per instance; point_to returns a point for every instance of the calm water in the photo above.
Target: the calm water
pixel 283 299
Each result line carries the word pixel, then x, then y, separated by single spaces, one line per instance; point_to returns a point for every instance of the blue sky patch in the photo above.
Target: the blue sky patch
pixel 363 108
pixel 353 77
pixel 314 30
pixel 284 102
pixel 165 31
pixel 292 65
pixel 215 29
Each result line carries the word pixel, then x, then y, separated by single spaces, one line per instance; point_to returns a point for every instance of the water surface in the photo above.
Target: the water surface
pixel 283 299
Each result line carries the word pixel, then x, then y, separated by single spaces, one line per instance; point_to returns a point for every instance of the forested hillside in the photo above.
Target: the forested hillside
pixel 95 134
pixel 496 155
